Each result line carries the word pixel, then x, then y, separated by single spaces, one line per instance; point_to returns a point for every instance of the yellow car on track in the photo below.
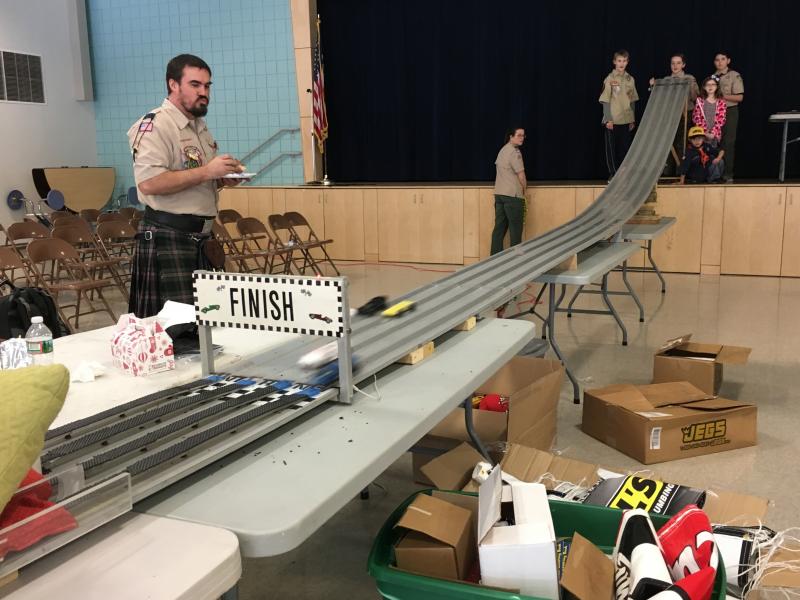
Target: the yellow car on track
pixel 398 309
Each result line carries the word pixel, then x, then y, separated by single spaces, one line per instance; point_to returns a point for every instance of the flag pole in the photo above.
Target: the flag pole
pixel 313 158
pixel 325 179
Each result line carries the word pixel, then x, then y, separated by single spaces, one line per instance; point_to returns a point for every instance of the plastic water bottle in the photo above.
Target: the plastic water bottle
pixel 39 340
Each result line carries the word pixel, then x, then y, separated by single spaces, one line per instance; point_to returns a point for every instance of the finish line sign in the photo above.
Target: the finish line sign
pixel 308 306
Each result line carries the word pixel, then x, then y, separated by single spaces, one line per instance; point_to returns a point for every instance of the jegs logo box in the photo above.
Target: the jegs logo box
pixel 698 432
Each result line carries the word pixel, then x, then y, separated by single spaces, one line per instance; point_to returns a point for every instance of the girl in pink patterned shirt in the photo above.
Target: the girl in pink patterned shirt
pixel 710 110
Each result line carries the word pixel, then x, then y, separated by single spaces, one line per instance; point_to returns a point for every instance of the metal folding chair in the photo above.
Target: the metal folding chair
pixel 256 239
pixel 305 234
pixel 78 281
pixel 79 235
pixel 287 239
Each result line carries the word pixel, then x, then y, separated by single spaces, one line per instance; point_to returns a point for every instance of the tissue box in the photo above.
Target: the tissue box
pixel 141 346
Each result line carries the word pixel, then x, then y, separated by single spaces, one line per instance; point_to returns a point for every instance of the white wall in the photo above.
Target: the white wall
pixel 62 131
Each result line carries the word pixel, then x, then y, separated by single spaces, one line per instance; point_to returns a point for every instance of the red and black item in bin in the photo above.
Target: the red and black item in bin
pixel 678 563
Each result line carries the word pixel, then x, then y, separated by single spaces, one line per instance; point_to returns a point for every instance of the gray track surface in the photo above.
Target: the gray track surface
pixel 379 341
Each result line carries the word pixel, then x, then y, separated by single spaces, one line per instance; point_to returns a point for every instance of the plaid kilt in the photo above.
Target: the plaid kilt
pixel 162 268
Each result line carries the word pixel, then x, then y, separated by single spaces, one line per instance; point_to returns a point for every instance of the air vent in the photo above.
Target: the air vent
pixel 21 78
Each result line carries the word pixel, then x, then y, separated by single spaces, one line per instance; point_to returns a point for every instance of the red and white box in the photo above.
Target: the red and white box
pixel 141 346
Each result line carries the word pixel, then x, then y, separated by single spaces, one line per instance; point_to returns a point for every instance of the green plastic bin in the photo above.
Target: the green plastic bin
pixel 596 523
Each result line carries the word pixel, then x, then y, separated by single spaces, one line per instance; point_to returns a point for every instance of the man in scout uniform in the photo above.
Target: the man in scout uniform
pixel 509 191
pixel 731 87
pixel 177 173
pixel 618 99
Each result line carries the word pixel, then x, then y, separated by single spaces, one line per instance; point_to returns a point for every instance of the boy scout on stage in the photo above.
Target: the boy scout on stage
pixel 618 99
pixel 732 89
pixel 177 173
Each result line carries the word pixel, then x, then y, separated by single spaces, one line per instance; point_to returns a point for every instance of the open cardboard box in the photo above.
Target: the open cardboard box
pixel 533 465
pixel 698 363
pixel 667 421
pixel 532 385
pixel 519 556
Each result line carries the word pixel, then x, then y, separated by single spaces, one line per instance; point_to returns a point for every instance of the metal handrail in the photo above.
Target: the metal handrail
pixel 275 160
pixel 271 138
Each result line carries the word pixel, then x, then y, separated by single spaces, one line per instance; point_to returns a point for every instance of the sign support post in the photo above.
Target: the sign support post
pixel 345 353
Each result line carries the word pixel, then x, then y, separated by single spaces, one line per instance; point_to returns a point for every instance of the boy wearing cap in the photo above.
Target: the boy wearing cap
pixel 618 99
pixel 702 162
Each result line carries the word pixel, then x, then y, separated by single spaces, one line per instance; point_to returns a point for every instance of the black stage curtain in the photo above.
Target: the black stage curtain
pixel 422 90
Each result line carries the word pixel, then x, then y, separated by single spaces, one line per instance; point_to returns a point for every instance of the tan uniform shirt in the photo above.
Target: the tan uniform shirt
pixel 172 142
pixel 509 163
pixel 620 91
pixel 731 83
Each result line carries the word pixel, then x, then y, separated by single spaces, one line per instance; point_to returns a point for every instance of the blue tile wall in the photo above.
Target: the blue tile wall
pixel 247 43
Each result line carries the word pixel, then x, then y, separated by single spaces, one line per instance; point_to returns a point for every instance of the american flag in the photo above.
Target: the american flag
pixel 319 110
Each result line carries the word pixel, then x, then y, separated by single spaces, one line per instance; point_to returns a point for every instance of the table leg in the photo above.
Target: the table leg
pixel 607 300
pixel 231 594
pixel 631 292
pixel 572 301
pixel 551 319
pixel 782 170
pixel 655 266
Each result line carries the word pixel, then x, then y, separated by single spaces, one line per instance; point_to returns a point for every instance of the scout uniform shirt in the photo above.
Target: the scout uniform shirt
pixel 731 83
pixel 172 142
pixel 620 92
pixel 509 163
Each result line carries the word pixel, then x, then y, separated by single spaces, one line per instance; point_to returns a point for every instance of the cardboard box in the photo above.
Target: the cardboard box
pixel 533 387
pixel 530 464
pixel 588 574
pixel 440 541
pixel 667 421
pixel 453 470
pixel 700 364
pixel 521 556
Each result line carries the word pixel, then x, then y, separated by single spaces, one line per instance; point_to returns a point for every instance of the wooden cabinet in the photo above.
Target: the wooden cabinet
pixel 421 225
pixel 547 209
pixel 344 223
pixel 752 230
pixel 308 202
pixel 679 248
pixel 790 261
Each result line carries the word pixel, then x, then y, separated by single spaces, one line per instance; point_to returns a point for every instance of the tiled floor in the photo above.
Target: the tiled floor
pixel 763 313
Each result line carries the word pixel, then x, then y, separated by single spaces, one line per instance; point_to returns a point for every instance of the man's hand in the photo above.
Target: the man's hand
pixel 223 165
pixel 716 160
pixel 609 125
pixel 631 126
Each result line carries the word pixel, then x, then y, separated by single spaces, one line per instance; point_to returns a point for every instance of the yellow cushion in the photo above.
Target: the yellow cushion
pixel 30 399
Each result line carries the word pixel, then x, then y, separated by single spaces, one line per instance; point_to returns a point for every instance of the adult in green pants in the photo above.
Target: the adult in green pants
pixel 509 191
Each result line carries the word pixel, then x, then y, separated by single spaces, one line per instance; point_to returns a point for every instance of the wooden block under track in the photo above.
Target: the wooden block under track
pixel 467 325
pixel 417 355
pixel 8 578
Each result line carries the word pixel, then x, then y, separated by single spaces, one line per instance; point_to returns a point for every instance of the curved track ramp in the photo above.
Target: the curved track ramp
pixel 442 305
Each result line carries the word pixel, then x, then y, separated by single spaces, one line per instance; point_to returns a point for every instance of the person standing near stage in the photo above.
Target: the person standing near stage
pixel 177 173
pixel 677 66
pixel 619 118
pixel 731 87
pixel 509 191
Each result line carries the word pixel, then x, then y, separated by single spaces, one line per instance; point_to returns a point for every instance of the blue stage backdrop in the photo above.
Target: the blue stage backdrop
pixel 422 90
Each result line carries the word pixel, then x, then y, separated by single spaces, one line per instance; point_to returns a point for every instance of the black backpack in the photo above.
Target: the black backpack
pixel 21 304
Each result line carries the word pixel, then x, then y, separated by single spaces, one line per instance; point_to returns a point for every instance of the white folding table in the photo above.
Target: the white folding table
pixel 134 557
pixel 647 232
pixel 785 118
